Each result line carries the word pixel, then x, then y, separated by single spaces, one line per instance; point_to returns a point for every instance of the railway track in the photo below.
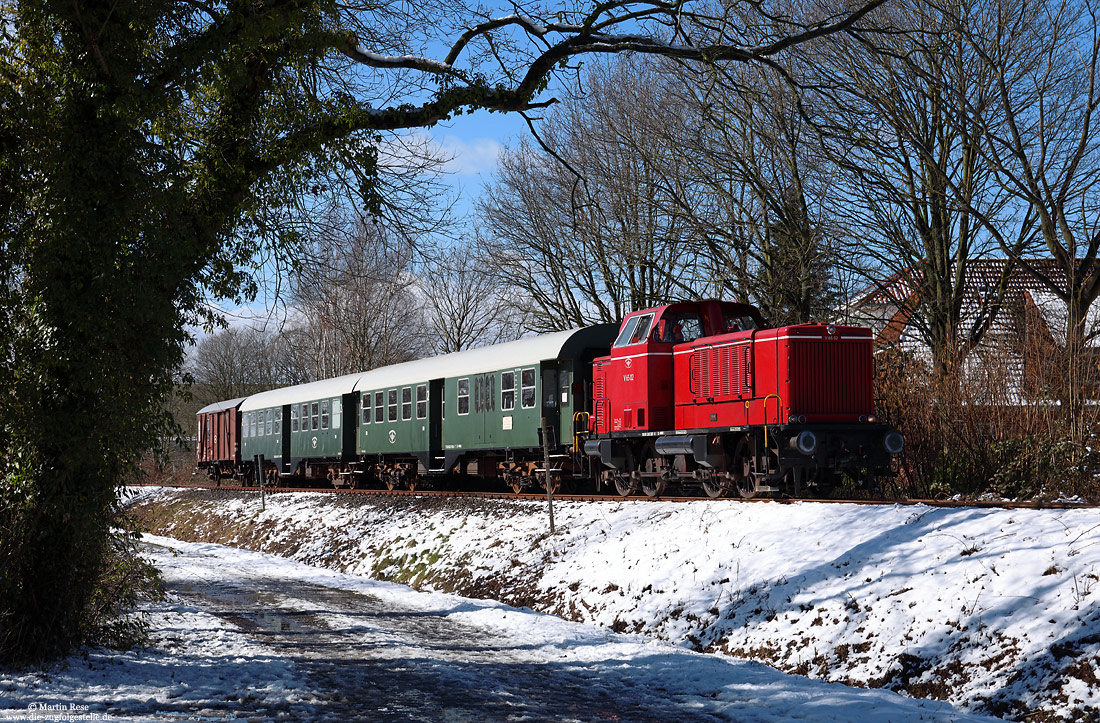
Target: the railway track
pixel 979 504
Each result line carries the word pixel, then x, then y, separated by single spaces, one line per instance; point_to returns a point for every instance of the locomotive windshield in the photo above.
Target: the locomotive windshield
pixel 635 331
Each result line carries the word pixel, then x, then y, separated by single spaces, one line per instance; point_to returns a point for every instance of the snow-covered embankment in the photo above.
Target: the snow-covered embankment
pixel 991 609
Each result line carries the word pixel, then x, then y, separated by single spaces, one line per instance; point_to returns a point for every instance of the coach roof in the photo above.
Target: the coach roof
pixel 521 352
pixel 221 406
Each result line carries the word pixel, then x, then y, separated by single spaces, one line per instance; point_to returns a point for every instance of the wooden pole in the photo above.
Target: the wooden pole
pixel 546 470
pixel 260 478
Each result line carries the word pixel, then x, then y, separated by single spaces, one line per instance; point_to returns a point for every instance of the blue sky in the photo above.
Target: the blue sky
pixel 475 142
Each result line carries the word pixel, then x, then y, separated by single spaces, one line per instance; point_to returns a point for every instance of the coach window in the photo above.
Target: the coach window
pixel 294 418
pixel 315 416
pixel 507 391
pixel 379 407
pixel 268 421
pixel 279 421
pixel 324 414
pixel 337 413
pixel 252 423
pixel 366 407
pixel 421 401
pixel 528 381
pixel 464 396
pixel 406 403
pixel 391 398
pixel 305 417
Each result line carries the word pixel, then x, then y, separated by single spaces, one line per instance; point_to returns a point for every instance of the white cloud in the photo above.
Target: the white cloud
pixel 469 157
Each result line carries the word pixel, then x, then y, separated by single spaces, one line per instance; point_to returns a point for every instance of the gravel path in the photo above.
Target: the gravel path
pixel 368 660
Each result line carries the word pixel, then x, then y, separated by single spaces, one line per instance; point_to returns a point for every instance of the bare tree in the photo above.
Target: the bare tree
pixel 581 225
pixel 754 185
pixel 919 199
pixel 465 300
pixel 1042 138
pixel 354 306
pixel 235 362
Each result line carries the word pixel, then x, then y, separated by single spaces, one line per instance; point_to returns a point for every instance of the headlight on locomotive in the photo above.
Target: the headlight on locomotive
pixel 805 442
pixel 894 442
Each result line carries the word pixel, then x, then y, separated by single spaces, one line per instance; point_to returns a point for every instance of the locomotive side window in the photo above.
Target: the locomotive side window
pixel 392 399
pixel 527 379
pixel 677 328
pixel 421 401
pixel 366 408
pixel 406 404
pixel 738 322
pixel 464 396
pixel 507 391
pixel 379 407
pixel 315 417
pixel 279 421
pixel 337 413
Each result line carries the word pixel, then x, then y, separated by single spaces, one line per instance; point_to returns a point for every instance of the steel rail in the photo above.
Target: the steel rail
pixel 539 497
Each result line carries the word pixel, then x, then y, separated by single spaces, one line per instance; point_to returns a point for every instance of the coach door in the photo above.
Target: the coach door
pixel 349 434
pixel 435 424
pixel 550 405
pixel 284 441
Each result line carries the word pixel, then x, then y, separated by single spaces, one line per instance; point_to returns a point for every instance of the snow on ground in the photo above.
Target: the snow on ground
pixel 989 609
pixel 204 668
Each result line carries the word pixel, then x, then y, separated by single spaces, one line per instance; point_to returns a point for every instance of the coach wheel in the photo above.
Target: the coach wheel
pixel 413 484
pixel 517 487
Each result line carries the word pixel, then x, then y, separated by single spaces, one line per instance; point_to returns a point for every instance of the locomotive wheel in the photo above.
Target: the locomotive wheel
pixel 625 485
pixel 653 484
pixel 748 486
pixel 712 486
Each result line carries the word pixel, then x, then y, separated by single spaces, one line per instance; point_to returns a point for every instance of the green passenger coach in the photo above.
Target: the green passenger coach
pixel 402 424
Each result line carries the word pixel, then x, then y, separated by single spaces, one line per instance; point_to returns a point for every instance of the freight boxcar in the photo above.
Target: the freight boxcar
pixel 218 438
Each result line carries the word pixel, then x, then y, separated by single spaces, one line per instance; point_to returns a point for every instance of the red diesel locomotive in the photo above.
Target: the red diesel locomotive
pixel 702 391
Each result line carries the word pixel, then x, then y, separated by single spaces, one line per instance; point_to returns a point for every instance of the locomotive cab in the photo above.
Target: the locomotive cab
pixel 633 385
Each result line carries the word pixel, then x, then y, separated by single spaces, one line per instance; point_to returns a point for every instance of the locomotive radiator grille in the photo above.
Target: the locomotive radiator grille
pixel 721 371
pixel 831 377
